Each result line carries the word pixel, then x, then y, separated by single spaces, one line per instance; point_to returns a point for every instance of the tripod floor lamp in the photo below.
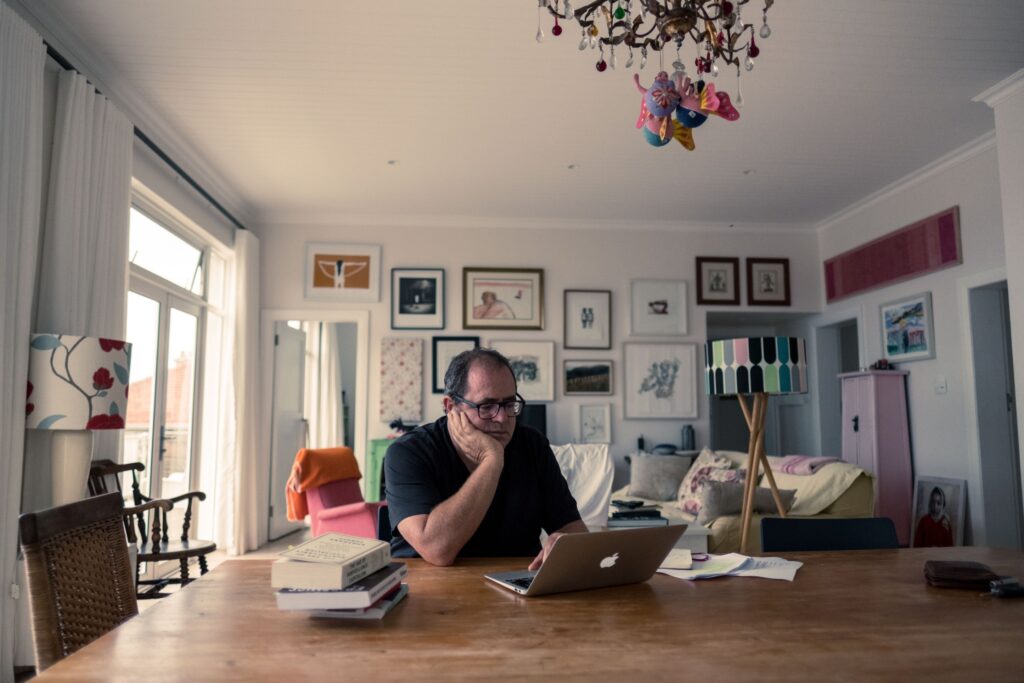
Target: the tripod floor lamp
pixel 761 366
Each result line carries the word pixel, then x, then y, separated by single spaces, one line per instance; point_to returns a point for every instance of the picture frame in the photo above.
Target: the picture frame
pixel 533 364
pixel 503 298
pixel 718 281
pixel 908 328
pixel 417 298
pixel 443 349
pixel 661 380
pixel 768 282
pixel 947 526
pixel 658 307
pixel 587 377
pixel 338 271
pixel 588 319
pixel 594 423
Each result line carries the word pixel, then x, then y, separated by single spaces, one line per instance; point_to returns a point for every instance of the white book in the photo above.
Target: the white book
pixel 375 611
pixel 359 595
pixel 330 561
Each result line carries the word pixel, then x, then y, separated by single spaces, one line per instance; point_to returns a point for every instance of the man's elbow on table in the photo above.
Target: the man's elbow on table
pixel 436 551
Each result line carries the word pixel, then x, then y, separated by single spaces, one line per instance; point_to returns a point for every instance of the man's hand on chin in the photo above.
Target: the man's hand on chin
pixel 472 442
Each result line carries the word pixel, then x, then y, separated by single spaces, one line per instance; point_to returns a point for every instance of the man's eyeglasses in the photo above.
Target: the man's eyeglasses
pixel 488 411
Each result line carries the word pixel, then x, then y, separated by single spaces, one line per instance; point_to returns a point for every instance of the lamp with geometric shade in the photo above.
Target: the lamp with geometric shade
pixel 761 366
pixel 75 385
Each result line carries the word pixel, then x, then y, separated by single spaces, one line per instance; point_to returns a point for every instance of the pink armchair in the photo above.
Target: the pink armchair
pixel 339 506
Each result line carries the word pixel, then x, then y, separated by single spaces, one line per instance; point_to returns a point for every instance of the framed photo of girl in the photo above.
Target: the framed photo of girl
pixel 938 512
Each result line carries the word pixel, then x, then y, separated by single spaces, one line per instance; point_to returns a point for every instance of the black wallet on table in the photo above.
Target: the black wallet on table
pixel 958 574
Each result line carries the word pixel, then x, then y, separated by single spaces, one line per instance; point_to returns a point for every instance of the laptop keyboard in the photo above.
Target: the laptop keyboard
pixel 523 582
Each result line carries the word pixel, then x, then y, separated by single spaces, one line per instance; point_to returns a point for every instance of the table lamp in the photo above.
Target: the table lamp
pixel 758 366
pixel 75 385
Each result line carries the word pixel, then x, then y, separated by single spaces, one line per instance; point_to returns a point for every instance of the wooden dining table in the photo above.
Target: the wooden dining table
pixel 856 615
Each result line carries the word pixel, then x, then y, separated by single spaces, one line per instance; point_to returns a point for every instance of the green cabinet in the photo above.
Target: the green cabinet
pixel 374 474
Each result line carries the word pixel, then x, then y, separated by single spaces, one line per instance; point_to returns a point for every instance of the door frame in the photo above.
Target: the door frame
pixel 820 323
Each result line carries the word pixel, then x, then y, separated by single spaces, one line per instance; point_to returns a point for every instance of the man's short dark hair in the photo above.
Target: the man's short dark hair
pixel 457 376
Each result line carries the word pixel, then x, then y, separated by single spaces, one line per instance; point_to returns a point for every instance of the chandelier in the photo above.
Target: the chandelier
pixel 718 38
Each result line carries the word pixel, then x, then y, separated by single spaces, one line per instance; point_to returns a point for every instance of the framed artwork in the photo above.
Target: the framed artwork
pixel 718 280
pixel 444 349
pixel 503 298
pixel 342 272
pixel 661 381
pixel 588 319
pixel 417 299
pixel 587 377
pixel 595 423
pixel 533 364
pixel 938 512
pixel 768 281
pixel 908 332
pixel 658 307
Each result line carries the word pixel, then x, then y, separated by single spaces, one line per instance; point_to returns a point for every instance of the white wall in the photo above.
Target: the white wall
pixel 606 259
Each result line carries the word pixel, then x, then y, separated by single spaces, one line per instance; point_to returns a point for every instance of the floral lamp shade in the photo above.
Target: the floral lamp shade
pixel 755 365
pixel 77 382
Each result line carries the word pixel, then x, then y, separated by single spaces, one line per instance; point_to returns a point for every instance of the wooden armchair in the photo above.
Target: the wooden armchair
pixel 157 545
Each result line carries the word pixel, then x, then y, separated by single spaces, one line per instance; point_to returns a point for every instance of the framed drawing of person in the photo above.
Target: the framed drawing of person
pixel 938 512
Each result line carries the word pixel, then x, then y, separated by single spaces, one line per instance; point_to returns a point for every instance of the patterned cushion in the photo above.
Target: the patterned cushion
pixel 709 466
pixel 719 498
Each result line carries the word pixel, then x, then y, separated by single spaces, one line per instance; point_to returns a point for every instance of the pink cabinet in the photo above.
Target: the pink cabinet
pixel 876 437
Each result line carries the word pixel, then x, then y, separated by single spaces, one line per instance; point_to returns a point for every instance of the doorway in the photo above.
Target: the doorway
pixel 838 351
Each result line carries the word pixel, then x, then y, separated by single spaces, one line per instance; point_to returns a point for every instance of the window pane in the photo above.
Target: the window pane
pixel 158 250
pixel 143 326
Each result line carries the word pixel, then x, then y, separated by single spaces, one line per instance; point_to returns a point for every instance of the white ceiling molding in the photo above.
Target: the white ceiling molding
pixel 1005 88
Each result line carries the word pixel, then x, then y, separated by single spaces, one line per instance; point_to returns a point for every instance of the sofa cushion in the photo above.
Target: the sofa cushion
pixel 719 498
pixel 709 466
pixel 656 477
pixel 817 491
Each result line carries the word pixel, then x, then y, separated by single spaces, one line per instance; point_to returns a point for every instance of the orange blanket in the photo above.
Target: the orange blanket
pixel 315 467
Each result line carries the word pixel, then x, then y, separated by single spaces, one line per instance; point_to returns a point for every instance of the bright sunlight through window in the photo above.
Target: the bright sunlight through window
pixel 161 252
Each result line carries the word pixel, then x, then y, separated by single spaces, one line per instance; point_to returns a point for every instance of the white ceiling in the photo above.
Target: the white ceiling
pixel 293 109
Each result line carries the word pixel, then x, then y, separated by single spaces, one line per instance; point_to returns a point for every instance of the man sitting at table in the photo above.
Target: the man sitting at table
pixel 474 483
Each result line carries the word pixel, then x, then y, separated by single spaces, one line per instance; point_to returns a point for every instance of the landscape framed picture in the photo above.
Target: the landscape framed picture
pixel 658 307
pixel 503 298
pixel 718 280
pixel 595 423
pixel 417 298
pixel 444 349
pixel 768 281
pixel 661 381
pixel 938 512
pixel 588 319
pixel 908 331
pixel 342 272
pixel 587 377
pixel 533 364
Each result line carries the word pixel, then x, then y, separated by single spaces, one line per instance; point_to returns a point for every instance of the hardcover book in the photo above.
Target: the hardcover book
pixel 376 611
pixel 359 595
pixel 331 561
pixel 621 522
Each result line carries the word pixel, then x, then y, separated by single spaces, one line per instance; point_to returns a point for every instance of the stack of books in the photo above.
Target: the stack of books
pixel 339 576
pixel 645 515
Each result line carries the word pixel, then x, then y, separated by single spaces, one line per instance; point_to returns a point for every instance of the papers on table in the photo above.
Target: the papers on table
pixel 678 558
pixel 735 564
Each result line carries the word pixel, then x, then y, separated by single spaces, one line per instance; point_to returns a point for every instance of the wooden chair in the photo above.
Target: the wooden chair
pixel 157 546
pixel 79 577
pixel 792 534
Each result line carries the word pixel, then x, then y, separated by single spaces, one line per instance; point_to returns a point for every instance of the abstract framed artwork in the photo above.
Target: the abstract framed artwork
pixel 658 307
pixel 768 282
pixel 533 364
pixel 938 512
pixel 661 381
pixel 595 423
pixel 587 377
pixel 503 298
pixel 718 280
pixel 908 331
pixel 444 349
pixel 342 272
pixel 417 298
pixel 588 319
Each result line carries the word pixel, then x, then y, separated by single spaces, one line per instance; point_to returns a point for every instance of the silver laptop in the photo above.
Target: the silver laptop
pixel 595 560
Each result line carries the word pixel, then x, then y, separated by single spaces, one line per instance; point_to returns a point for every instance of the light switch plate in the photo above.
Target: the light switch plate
pixel 940 384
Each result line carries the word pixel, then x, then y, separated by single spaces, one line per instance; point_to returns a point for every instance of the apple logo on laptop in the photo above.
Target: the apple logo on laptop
pixel 609 561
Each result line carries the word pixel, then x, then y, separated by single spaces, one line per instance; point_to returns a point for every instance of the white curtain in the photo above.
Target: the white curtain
pixel 22 60
pixel 241 471
pixel 323 386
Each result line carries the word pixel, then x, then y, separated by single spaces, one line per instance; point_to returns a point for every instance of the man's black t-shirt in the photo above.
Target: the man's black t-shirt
pixel 422 469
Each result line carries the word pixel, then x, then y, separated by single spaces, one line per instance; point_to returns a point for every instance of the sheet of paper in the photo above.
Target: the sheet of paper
pixel 678 558
pixel 769 568
pixel 735 564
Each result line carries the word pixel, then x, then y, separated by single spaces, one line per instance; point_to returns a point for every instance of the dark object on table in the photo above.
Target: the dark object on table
pixel 959 574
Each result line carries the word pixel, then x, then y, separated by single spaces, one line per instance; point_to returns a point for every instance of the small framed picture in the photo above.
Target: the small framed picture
pixel 342 272
pixel 938 512
pixel 595 423
pixel 584 377
pixel 658 307
pixel 661 381
pixel 503 298
pixel 444 349
pixel 768 281
pixel 718 280
pixel 533 364
pixel 417 299
pixel 588 319
pixel 908 332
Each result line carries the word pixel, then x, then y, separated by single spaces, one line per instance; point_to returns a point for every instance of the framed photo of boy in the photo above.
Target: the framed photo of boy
pixel 938 512
pixel 768 281
pixel 658 307
pixel 718 280
pixel 503 298
pixel 533 364
pixel 584 377
pixel 417 299
pixel 588 319
pixel 908 330
pixel 595 423
pixel 444 349
pixel 342 272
